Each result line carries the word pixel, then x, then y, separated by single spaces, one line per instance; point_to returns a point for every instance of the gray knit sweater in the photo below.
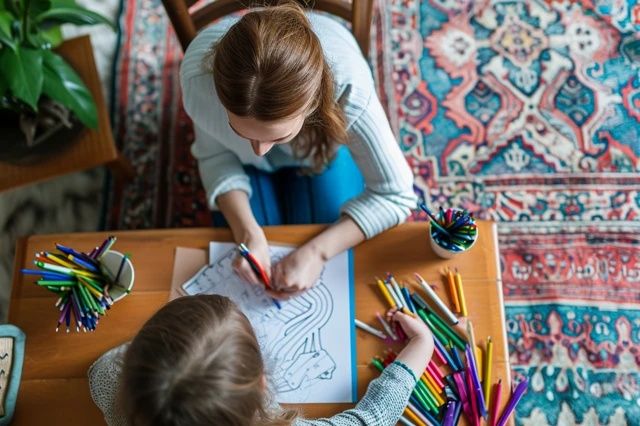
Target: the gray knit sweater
pixel 388 196
pixel 382 404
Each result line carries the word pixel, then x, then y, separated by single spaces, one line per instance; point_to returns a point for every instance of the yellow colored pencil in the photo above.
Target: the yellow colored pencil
pixel 479 362
pixel 59 261
pixel 414 418
pixel 488 360
pixel 460 290
pixel 431 380
pixel 385 293
pixel 433 391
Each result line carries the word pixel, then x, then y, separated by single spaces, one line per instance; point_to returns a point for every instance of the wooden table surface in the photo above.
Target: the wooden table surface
pixel 54 388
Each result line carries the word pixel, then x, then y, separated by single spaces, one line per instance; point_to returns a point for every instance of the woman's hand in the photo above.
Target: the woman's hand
pixel 257 244
pixel 297 272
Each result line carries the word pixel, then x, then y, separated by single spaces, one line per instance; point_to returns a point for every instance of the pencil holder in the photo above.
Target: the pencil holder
pixel 453 233
pixel 87 284
pixel 110 263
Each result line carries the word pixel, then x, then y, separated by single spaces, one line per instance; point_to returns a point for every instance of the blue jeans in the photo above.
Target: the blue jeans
pixel 288 197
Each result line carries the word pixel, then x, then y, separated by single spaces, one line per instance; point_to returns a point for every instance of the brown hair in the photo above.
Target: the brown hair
pixel 269 66
pixel 196 362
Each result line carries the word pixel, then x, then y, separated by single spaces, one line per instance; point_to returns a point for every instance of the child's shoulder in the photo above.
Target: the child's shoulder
pixel 104 380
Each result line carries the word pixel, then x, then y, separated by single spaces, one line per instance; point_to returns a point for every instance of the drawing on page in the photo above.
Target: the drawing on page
pixel 291 337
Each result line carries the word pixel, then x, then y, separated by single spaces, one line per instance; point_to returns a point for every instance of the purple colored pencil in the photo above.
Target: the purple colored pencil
pixel 513 401
pixel 449 414
pixel 472 368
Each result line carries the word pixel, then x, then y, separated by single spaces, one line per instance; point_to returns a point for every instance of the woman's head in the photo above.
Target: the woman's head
pixel 270 74
pixel 196 362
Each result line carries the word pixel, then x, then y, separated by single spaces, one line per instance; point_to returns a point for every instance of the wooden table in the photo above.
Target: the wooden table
pixel 54 387
pixel 91 148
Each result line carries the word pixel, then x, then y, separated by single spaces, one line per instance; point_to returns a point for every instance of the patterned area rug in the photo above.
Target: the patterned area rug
pixel 527 113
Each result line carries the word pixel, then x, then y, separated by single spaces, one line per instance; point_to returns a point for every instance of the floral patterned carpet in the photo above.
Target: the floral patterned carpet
pixel 527 113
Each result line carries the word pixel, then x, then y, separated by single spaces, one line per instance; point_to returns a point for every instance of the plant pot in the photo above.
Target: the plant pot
pixel 30 138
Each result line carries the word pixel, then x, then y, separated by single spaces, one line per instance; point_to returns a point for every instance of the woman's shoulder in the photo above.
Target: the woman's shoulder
pixel 351 72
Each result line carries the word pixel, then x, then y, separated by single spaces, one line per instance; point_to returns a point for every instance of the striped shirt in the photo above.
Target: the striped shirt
pixel 388 196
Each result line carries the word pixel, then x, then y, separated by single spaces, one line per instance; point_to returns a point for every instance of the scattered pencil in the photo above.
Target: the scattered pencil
pixel 366 327
pixel 440 398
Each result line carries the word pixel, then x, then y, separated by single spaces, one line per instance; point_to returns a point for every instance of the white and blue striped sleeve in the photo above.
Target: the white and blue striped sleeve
pixel 388 197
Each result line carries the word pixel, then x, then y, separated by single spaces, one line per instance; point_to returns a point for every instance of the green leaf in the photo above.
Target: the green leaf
pixel 62 84
pixel 39 6
pixel 22 69
pixel 5 29
pixel 52 35
pixel 71 15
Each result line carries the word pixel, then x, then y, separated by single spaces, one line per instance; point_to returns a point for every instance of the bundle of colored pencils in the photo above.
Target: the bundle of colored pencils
pixel 79 281
pixel 440 398
pixel 452 229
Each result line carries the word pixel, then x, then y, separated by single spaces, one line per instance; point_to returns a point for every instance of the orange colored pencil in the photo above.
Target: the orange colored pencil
pixel 452 291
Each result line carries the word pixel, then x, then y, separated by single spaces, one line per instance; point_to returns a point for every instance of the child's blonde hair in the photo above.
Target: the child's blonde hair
pixel 197 362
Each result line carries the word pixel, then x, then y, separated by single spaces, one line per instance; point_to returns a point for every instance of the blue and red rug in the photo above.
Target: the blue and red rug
pixel 527 113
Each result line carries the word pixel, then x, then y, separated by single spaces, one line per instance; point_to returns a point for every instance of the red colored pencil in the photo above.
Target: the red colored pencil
pixel 495 402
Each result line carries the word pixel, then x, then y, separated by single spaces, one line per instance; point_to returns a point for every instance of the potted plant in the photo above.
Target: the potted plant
pixel 42 98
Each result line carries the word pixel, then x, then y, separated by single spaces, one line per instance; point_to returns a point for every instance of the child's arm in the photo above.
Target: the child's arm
pixel 387 396
pixel 104 379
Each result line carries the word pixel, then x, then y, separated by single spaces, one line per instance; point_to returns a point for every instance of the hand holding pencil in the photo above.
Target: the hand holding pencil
pixel 259 249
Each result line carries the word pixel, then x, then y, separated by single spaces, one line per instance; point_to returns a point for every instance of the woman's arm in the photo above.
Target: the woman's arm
pixel 236 209
pixel 386 201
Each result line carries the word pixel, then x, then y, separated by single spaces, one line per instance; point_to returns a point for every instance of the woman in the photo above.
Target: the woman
pixel 276 92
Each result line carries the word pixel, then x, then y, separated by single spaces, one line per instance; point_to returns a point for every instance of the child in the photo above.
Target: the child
pixel 197 362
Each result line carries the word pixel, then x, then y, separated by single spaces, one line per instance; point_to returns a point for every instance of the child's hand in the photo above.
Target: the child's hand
pixel 259 248
pixel 296 273
pixel 417 354
pixel 412 327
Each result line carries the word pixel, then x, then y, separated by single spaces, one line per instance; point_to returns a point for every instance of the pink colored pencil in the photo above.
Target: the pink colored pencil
pixel 436 369
pixel 472 396
pixel 435 377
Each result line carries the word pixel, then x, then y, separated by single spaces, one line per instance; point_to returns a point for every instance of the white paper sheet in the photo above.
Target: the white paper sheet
pixel 308 345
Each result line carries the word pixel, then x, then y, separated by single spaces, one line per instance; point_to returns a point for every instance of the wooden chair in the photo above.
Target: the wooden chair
pixel 187 23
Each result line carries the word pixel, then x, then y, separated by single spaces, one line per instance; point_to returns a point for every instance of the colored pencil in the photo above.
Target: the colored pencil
pixel 452 291
pixel 477 388
pixel 513 401
pixel 472 399
pixel 385 294
pixel 257 269
pixel 486 377
pixel 386 326
pixel 433 296
pixel 369 329
pixel 407 299
pixel 460 291
pixel 495 402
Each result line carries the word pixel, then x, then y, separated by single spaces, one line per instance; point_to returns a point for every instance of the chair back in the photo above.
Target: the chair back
pixel 187 21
